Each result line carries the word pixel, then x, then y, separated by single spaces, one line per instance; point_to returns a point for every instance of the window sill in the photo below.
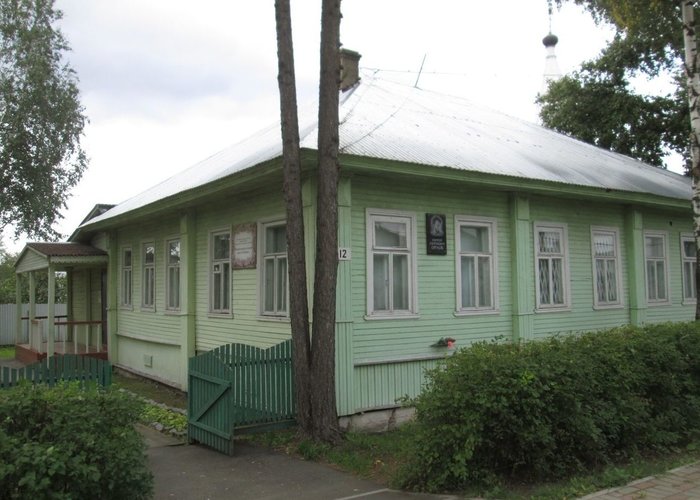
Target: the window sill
pixel 382 317
pixel 605 307
pixel 216 315
pixel 126 308
pixel 147 309
pixel 689 302
pixel 476 312
pixel 274 319
pixel 553 310
pixel 173 312
pixel 660 304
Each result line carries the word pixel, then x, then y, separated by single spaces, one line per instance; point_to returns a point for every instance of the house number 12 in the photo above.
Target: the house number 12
pixel 344 254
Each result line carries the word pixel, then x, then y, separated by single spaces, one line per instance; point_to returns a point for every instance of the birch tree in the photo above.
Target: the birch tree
pixel 692 66
pixel 314 356
pixel 41 119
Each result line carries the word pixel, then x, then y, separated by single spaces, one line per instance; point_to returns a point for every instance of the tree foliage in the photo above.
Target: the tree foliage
pixel 598 104
pixel 8 282
pixel 41 119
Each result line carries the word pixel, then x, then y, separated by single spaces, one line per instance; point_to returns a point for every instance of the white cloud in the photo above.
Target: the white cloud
pixel 166 83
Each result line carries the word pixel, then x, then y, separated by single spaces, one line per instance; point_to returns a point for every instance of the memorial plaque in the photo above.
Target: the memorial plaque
pixel 435 234
pixel 244 246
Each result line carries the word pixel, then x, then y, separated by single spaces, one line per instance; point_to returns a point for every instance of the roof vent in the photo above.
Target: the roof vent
pixel 349 68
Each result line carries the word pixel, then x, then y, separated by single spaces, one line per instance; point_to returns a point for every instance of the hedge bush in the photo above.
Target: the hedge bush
pixel 547 409
pixel 68 442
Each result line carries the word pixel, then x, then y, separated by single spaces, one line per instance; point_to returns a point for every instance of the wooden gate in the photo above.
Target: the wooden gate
pixel 238 387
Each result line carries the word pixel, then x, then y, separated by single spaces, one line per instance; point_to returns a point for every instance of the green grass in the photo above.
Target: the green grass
pixel 380 457
pixel 151 390
pixel 7 352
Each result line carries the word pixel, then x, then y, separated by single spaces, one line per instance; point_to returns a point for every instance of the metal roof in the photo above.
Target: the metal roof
pixel 65 249
pixel 386 120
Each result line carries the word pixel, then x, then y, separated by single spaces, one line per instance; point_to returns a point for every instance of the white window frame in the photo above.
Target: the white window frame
pixel 562 229
pixel 615 232
pixel 213 263
pixel 146 270
pixel 168 268
pixel 688 261
pixel 263 256
pixel 126 270
pixel 657 302
pixel 409 218
pixel 492 226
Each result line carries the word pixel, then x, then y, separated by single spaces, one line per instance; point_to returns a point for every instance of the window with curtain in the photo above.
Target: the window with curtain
pixel 606 266
pixel 476 264
pixel 688 257
pixel 390 267
pixel 220 273
pixel 656 266
pixel 126 275
pixel 275 287
pixel 149 276
pixel 172 275
pixel 552 271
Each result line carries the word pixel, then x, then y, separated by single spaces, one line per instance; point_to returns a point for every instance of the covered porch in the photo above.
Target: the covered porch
pixel 83 330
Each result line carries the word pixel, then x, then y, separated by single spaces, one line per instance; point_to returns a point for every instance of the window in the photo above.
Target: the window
pixel 172 276
pixel 149 276
pixel 391 289
pixel 220 279
pixel 552 278
pixel 126 278
pixel 476 261
pixel 688 257
pixel 656 267
pixel 275 288
pixel 606 266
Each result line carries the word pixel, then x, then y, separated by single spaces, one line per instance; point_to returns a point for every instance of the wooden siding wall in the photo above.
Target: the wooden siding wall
pixel 379 361
pixel 390 356
pixel 79 299
pixel 244 324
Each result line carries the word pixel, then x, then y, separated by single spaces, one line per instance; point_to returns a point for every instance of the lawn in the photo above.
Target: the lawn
pixel 151 390
pixel 7 352
pixel 380 457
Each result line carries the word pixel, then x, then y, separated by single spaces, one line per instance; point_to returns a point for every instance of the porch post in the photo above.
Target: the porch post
pixel 50 320
pixel 32 297
pixel 18 309
pixel 188 265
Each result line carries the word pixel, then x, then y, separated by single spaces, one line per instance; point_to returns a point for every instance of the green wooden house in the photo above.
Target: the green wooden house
pixel 455 222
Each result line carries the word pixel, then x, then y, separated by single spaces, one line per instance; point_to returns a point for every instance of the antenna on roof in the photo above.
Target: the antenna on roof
pixel 415 85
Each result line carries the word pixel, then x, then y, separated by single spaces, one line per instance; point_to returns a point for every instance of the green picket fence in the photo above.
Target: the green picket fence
pixel 68 367
pixel 236 386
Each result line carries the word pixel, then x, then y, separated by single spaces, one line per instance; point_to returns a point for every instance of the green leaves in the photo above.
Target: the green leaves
pixel 66 442
pixel 41 119
pixel 549 409
pixel 598 104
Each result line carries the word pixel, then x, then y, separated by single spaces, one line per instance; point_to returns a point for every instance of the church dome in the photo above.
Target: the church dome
pixel 550 40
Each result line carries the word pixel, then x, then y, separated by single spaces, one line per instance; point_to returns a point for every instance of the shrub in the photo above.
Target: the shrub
pixel 68 442
pixel 546 409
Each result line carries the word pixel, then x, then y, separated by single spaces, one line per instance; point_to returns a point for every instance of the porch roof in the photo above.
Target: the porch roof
pixel 41 255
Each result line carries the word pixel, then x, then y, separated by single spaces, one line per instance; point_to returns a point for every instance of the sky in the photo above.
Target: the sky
pixel 167 83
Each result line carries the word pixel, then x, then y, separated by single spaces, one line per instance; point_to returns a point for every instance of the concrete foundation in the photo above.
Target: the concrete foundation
pixel 377 420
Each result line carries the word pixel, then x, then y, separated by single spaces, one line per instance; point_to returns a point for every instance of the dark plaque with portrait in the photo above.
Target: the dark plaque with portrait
pixel 436 234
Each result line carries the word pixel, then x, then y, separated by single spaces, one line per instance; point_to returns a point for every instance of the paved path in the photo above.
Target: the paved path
pixel 677 484
pixel 196 472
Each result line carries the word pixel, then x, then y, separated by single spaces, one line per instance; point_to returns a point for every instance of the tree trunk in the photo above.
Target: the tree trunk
pixel 298 303
pixel 692 65
pixel 325 418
